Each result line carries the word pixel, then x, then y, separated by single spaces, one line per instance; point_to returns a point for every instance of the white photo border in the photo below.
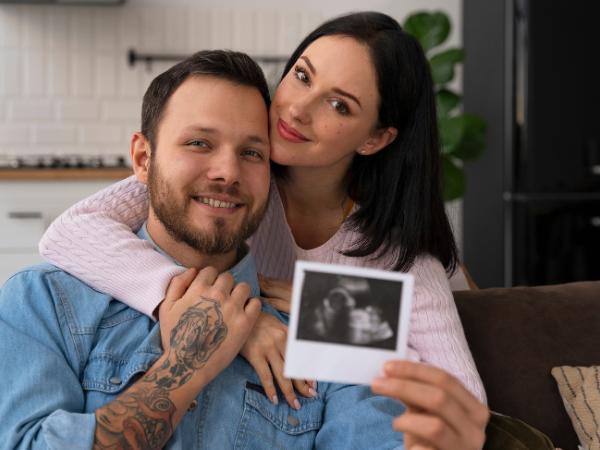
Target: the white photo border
pixel 312 360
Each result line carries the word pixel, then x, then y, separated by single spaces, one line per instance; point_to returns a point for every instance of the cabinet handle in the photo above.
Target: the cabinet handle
pixel 25 215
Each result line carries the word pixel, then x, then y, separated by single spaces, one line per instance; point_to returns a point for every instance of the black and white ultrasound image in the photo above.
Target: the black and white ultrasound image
pixel 341 309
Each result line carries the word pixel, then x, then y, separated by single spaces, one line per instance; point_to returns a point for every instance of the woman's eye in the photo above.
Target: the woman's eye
pixel 340 107
pixel 301 75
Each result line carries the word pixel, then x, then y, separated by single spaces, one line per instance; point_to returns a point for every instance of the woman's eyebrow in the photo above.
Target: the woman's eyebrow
pixel 309 64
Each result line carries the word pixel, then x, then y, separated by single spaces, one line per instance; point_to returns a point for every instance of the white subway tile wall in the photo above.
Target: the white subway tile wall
pixel 66 86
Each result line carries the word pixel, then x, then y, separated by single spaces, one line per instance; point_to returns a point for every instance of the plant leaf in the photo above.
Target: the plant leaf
pixel 472 141
pixel 446 101
pixel 442 65
pixel 451 133
pixel 429 29
pixel 454 180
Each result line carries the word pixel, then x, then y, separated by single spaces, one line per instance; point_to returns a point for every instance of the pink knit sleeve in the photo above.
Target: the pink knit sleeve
pixel 95 242
pixel 436 332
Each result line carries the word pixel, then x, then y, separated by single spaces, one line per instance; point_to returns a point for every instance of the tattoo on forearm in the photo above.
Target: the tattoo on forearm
pixel 142 418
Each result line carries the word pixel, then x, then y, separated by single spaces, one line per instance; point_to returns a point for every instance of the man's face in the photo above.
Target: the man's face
pixel 208 178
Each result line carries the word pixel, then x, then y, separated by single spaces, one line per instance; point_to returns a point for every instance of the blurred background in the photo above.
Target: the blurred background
pixel 72 77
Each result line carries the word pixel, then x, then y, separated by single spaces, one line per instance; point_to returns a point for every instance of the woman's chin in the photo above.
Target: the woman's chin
pixel 282 155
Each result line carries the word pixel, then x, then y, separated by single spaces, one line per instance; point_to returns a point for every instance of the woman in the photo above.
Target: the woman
pixel 355 151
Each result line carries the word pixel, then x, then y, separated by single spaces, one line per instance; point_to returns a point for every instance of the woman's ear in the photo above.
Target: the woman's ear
pixel 380 139
pixel 140 156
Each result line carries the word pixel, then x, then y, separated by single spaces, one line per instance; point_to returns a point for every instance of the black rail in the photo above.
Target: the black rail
pixel 149 58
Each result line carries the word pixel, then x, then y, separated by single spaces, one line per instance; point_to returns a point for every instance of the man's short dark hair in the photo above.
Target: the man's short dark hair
pixel 235 67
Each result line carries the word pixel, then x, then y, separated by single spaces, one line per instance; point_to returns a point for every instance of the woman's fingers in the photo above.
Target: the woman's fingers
pixel 275 288
pixel 430 432
pixel 266 378
pixel 277 303
pixel 441 412
pixel 305 388
pixel 276 292
pixel 285 384
pixel 433 376
pixel 430 399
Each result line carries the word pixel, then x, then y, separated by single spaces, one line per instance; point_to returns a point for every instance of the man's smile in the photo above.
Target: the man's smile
pixel 217 203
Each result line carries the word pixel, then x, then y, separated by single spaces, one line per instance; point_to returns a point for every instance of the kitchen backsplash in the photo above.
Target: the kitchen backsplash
pixel 66 86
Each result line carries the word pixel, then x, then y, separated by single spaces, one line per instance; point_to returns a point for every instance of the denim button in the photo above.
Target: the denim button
pixel 115 380
pixel 292 421
pixel 193 406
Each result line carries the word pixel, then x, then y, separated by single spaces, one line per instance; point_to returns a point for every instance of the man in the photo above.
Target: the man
pixel 83 370
pixel 86 370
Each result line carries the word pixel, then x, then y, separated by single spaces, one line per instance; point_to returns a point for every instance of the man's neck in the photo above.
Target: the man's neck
pixel 183 253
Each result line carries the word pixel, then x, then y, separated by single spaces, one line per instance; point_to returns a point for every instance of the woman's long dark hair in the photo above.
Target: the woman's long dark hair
pixel 398 188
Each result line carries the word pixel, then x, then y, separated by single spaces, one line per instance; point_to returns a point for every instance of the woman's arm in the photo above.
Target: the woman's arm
pixel 95 242
pixel 435 328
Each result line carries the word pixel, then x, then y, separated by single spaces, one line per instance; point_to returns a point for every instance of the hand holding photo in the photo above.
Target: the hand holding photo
pixel 346 322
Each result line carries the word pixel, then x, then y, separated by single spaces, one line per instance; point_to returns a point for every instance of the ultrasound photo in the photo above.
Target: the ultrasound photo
pixel 342 309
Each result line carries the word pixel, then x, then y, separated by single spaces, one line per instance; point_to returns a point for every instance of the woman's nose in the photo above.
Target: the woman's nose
pixel 300 109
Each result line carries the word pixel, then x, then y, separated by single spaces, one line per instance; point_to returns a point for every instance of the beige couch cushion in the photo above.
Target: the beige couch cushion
pixel 580 390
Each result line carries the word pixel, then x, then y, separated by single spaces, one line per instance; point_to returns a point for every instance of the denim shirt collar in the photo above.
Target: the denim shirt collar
pixel 244 270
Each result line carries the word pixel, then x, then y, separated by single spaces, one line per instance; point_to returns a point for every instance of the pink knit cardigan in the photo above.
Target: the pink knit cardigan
pixel 95 241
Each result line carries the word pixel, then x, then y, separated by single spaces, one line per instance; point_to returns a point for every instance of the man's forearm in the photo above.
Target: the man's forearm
pixel 146 415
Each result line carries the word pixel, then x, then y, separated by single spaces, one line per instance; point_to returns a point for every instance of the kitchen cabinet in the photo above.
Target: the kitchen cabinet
pixel 27 208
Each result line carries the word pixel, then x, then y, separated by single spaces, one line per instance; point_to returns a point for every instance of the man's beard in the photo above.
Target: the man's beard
pixel 173 213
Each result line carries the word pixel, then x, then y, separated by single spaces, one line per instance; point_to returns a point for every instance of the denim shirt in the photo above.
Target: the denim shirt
pixel 68 350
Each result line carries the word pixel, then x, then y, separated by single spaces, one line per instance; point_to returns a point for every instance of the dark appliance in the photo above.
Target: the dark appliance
pixel 535 195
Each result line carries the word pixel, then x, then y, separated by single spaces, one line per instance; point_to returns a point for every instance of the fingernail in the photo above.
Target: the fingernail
pixel 275 400
pixel 297 405
pixel 314 385
pixel 312 392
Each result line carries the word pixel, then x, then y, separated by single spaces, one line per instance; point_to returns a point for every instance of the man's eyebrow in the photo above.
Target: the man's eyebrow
pixel 252 139
pixel 256 140
pixel 347 94
pixel 195 128
pixel 309 64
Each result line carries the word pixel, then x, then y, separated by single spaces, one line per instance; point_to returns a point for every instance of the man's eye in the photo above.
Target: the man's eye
pixel 199 144
pixel 340 107
pixel 251 153
pixel 301 75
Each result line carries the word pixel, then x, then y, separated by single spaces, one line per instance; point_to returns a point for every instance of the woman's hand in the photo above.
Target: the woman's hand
pixel 265 350
pixel 276 292
pixel 441 414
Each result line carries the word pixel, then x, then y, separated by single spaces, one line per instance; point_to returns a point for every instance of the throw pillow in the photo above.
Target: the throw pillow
pixel 580 390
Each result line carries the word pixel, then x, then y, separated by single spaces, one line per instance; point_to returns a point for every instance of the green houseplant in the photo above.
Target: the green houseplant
pixel 462 134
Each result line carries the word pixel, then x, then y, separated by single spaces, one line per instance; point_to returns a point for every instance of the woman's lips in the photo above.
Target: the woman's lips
pixel 289 133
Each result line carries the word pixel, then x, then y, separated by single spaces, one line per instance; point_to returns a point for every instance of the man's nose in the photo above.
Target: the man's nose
pixel 225 167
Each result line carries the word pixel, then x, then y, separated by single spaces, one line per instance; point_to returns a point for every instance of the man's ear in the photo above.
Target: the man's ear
pixel 379 139
pixel 140 156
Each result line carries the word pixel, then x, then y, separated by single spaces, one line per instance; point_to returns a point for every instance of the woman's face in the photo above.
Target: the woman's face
pixel 326 107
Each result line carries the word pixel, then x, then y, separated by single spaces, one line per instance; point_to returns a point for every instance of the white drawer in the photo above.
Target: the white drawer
pixel 28 208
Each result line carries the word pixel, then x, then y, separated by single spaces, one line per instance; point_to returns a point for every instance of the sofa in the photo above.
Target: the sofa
pixel 517 335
